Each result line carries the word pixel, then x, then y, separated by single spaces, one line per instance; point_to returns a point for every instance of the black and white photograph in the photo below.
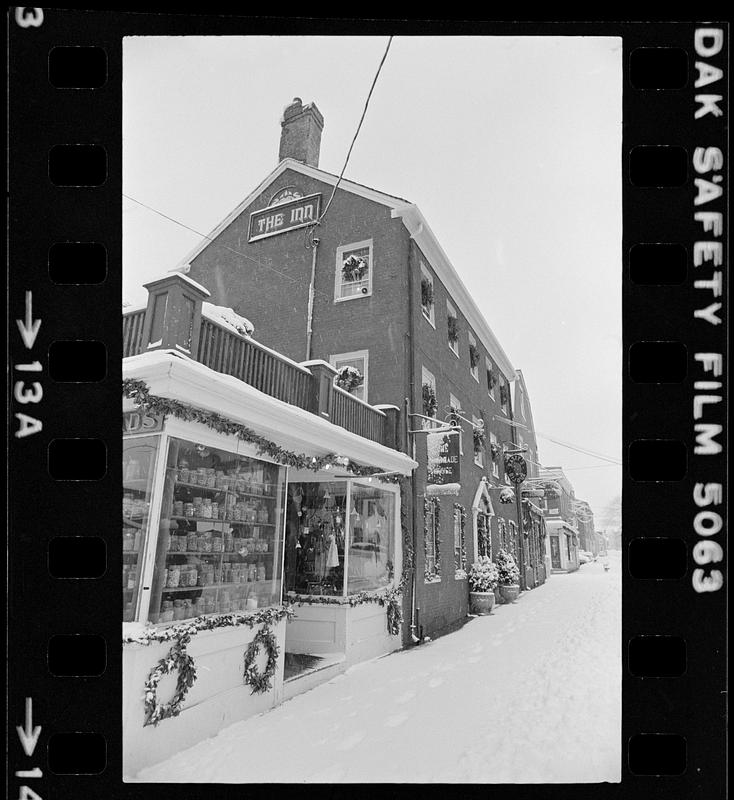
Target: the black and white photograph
pixel 372 416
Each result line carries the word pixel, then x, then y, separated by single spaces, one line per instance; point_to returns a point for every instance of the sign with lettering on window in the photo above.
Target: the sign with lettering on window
pixel 284 217
pixel 139 422
pixel 443 459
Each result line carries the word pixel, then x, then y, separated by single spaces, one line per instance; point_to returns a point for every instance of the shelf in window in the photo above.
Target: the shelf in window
pixel 133 521
pixel 217 553
pixel 211 586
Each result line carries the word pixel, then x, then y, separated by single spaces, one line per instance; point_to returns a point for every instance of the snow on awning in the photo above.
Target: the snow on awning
pixel 433 489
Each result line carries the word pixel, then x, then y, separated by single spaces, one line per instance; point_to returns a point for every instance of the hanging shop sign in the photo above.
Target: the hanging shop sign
pixel 139 422
pixel 443 459
pixel 284 217
pixel 516 468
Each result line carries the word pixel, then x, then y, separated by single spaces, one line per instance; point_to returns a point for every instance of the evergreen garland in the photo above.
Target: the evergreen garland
pixel 429 400
pixel 473 356
pixel 434 502
pixel 491 379
pixel 353 268
pixel 426 294
pixel 151 404
pixel 261 681
pixel 480 439
pixel 177 659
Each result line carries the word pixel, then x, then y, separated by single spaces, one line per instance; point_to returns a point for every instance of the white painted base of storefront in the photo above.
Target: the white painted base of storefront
pixel 359 632
pixel 218 698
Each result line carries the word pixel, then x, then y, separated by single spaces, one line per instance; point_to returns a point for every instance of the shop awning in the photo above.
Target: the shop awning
pixel 169 374
pixel 559 526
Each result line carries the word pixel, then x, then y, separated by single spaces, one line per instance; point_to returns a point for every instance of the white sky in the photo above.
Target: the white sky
pixel 510 146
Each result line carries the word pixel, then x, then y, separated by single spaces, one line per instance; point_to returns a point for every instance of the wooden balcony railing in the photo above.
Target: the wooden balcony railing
pixel 173 320
pixel 227 352
pixel 132 333
pixel 356 416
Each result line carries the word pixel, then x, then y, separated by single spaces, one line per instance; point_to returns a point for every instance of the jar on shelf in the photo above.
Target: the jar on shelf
pixel 178 508
pixel 252 573
pixel 261 571
pixel 178 609
pixel 228 543
pixel 215 510
pixel 192 540
pixel 174 575
pixel 216 544
pixel 211 478
pixel 189 510
pixel 198 500
pixel 187 609
pixel 184 474
pixel 206 508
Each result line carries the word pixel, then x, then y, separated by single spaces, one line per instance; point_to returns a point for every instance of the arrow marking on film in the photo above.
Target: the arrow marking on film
pixel 28 327
pixel 28 735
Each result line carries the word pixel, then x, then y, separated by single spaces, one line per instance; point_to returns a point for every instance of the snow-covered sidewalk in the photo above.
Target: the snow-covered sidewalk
pixel 529 694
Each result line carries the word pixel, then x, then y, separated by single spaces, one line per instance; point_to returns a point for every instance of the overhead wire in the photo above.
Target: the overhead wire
pixel 217 242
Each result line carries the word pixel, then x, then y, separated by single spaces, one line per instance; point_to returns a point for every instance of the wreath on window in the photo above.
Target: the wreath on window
pixel 480 439
pixel 354 268
pixel 453 328
pixel 491 379
pixel 504 394
pixel 494 450
pixel 507 496
pixel 473 356
pixel 348 378
pixel 261 681
pixel 426 293
pixel 179 660
pixel 429 400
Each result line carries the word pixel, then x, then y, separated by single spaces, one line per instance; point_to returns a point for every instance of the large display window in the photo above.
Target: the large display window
pixel 138 465
pixel 340 538
pixel 221 528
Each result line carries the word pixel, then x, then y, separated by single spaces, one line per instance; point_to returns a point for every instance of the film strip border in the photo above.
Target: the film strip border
pixel 65 354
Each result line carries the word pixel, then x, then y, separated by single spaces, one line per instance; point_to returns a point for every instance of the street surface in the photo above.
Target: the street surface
pixel 529 694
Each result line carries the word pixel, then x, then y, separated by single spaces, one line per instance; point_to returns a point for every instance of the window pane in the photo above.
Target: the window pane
pixel 372 536
pixel 314 547
pixel 219 541
pixel 358 364
pixel 359 282
pixel 138 466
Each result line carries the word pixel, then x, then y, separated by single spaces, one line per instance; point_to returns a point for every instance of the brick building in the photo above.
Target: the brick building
pixel 559 509
pixel 370 287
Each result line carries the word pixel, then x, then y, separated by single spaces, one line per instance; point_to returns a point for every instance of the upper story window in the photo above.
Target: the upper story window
pixel 491 377
pixel 494 450
pixel 504 396
pixel 474 358
pixel 353 369
pixel 428 395
pixel 428 300
pixel 353 277
pixel 479 440
pixel 522 405
pixel 452 322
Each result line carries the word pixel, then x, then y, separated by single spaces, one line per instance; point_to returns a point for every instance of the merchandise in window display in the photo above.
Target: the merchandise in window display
pixel 220 534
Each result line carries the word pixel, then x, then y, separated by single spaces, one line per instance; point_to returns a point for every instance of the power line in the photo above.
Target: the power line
pixel 218 243
pixel 361 120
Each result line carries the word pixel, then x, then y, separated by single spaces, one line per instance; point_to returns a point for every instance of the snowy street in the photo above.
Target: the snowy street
pixel 531 693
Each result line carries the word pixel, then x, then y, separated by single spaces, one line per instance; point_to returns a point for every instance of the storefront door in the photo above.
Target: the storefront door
pixel 555 553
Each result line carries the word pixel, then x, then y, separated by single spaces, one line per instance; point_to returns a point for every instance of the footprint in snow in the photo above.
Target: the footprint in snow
pixel 351 741
pixel 395 720
pixel 405 697
pixel 435 682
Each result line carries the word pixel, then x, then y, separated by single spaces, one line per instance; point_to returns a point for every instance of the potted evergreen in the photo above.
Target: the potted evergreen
pixel 508 577
pixel 483 578
pixel 348 378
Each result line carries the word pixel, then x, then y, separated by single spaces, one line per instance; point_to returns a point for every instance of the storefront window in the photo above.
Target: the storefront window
pixel 220 536
pixel 315 535
pixel 371 540
pixel 138 465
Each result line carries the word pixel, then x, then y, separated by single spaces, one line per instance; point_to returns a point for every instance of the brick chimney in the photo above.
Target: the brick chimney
pixel 300 137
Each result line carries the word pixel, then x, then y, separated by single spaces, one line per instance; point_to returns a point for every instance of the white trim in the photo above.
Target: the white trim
pixel 424 237
pixel 482 492
pixel 353 356
pixel 339 283
pixel 476 421
pixel 170 375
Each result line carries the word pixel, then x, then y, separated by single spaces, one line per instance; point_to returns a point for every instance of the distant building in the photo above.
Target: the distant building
pixel 560 519
pixel 585 523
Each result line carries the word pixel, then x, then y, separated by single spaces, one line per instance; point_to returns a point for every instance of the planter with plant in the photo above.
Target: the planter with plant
pixel 483 580
pixel 480 440
pixel 508 576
